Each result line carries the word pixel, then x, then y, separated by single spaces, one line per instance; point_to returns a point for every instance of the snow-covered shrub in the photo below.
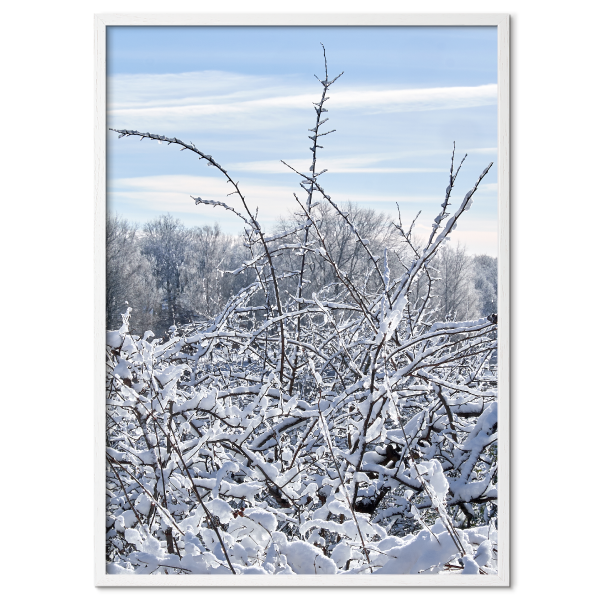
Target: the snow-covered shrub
pixel 340 433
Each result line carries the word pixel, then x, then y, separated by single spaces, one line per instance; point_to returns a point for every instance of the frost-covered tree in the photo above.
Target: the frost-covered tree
pixel 165 244
pixel 485 276
pixel 347 253
pixel 330 430
pixel 129 279
pixel 454 287
pixel 169 274
pixel 207 282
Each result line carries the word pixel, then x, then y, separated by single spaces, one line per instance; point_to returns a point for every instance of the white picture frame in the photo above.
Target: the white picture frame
pixel 104 20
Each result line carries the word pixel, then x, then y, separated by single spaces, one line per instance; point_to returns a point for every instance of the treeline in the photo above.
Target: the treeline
pixel 170 274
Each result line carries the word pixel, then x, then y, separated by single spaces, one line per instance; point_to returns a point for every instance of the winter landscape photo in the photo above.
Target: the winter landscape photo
pixel 302 301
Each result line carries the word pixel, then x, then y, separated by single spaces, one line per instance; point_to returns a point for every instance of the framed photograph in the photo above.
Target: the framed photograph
pixel 302 300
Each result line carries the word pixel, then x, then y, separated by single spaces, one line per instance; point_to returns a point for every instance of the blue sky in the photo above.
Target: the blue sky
pixel 244 94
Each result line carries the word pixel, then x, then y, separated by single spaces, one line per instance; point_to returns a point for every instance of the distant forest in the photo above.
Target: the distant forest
pixel 170 274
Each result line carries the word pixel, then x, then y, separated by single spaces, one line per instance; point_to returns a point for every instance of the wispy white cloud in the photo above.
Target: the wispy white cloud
pixel 477 242
pixel 180 89
pixel 482 151
pixel 364 163
pixel 224 105
pixel 488 188
pixel 343 165
pixel 378 200
pixel 478 235
pixel 385 170
pixel 418 99
pixel 234 100
pixel 171 193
